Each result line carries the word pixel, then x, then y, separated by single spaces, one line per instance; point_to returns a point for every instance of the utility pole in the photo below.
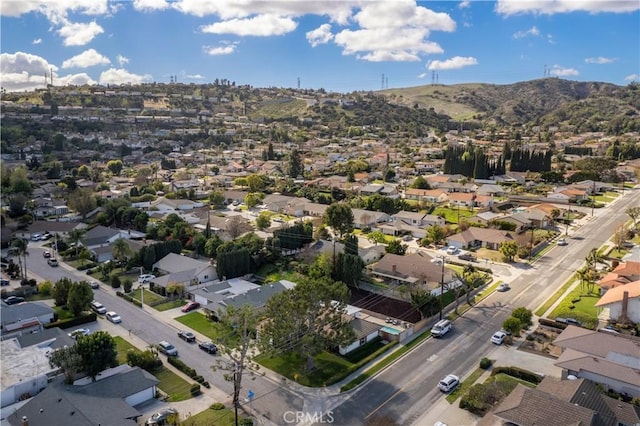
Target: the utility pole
pixel 593 197
pixel 236 391
pixel 441 285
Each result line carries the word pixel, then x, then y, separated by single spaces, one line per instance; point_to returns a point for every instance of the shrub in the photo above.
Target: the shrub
pixel 198 379
pixel 245 421
pixel 127 285
pixel 115 281
pixel 147 360
pixel 485 363
pixel 519 373
pixel 45 287
pixel 183 367
pixel 71 322
pixel 217 406
pixel 195 389
pixel 206 384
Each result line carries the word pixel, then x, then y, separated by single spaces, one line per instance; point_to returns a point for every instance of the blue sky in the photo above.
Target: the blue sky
pixel 341 46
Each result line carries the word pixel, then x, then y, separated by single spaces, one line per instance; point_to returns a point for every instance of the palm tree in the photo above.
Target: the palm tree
pixel 20 246
pixel 121 250
pixel 75 237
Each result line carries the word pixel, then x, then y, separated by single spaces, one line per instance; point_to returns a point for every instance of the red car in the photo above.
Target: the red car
pixel 190 306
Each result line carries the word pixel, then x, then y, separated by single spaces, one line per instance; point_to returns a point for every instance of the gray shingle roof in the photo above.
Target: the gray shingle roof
pixel 13 313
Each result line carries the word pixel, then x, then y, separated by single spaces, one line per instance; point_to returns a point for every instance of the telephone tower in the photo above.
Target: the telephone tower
pixel 298 83
pixel 382 83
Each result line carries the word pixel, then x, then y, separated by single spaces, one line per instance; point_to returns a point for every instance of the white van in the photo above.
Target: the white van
pixel 441 328
pixel 97 307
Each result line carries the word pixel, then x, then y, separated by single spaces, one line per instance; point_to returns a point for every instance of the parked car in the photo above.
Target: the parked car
pixel 468 256
pixel 452 250
pixel 190 306
pixel 498 337
pixel 12 300
pixel 449 383
pixel 36 237
pixel 569 321
pixel 4 282
pixel 145 278
pixel 97 307
pixel 187 336
pixel 52 262
pixel 503 287
pixel 113 317
pixel 94 284
pixel 167 348
pixel 441 328
pixel 160 418
pixel 562 242
pixel 79 332
pixel 208 347
pixel 46 254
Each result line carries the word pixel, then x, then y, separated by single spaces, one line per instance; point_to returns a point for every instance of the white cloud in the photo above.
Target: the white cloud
pixel 194 76
pixel 88 58
pixel 56 10
pixel 600 60
pixel 423 75
pixel 454 63
pixel 79 34
pixel 550 7
pixel 23 71
pixel 225 49
pixel 37 41
pixel 263 26
pixel 122 76
pixel 75 80
pixel 632 77
pixel 464 4
pixel 321 35
pixel 533 31
pixel 150 5
pixel 559 71
pixel 122 60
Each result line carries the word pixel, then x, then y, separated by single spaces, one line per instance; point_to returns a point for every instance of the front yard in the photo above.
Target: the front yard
pixel 579 304
pixel 198 322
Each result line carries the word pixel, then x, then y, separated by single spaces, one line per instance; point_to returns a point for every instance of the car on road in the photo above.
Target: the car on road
pixel 36 237
pixel 52 262
pixel 12 300
pixel 452 250
pixel 187 336
pixel 4 282
pixel 161 417
pixel 190 306
pixel 562 242
pixel 468 257
pixel 79 332
pixel 498 337
pixel 145 278
pixel 167 348
pixel 94 284
pixel 449 383
pixel 503 287
pixel 208 347
pixel 46 254
pixel 113 317
pixel 97 307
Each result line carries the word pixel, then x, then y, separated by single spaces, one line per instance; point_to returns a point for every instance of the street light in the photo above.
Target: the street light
pixel 441 260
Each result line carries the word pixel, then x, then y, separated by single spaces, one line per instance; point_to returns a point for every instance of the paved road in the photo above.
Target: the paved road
pixel 407 389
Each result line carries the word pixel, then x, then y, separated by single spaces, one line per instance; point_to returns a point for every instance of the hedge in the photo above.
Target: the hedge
pixel 551 323
pixel 195 389
pixel 519 373
pixel 183 367
pixel 72 322
pixel 129 299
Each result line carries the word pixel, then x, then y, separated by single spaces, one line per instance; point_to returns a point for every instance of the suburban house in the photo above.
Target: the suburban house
pixel 474 237
pixel 622 302
pixel 624 273
pixel 24 318
pixel 436 196
pixel 61 229
pixel 25 363
pixel 365 326
pixel 236 292
pixel 167 205
pixel 416 269
pixel 462 199
pixel 184 270
pixel 98 240
pixel 562 402
pixel 110 400
pixel 418 219
pixel 368 218
pixel 609 360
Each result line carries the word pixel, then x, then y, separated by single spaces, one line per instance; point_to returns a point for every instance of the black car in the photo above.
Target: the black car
pixel 467 256
pixel 4 282
pixel 208 347
pixel 12 300
pixel 187 336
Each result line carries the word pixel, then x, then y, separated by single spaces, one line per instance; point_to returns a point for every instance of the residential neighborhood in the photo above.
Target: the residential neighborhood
pixel 310 256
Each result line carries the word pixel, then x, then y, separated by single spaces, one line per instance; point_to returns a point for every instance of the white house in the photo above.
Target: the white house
pixel 619 309
pixel 199 271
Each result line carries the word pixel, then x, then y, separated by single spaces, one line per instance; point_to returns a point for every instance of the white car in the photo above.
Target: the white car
pixel 449 383
pixel 562 242
pixel 79 332
pixel 143 279
pixel 498 337
pixel 452 250
pixel 503 287
pixel 113 317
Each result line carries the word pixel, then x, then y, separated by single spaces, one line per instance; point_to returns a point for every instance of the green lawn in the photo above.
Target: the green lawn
pixel 546 305
pixel 618 254
pixel 62 312
pixel 501 377
pixel 210 417
pixel 579 305
pixel 293 367
pixel 465 385
pixel 149 296
pixel 451 214
pixel 168 305
pixel 173 385
pixel 198 322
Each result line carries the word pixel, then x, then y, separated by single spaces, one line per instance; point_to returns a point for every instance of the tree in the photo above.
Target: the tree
pixel 424 301
pixel 68 360
pixel 75 237
pixel 420 183
pixel 252 199
pixel 620 236
pixel 524 315
pixel 339 216
pixel 508 249
pixel 633 213
pixel 307 319
pixel 237 226
pixel 263 220
pixel 115 166
pixel 79 296
pixel 436 234
pixel 19 247
pixel 83 201
pixel 512 325
pixel 234 333
pixel 377 237
pixel 60 291
pixel 97 352
pixel 121 250
pixel 396 247
pixel 295 167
